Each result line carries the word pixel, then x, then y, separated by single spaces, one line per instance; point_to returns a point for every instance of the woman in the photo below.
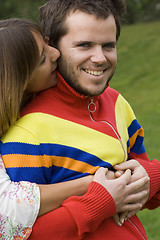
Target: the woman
pixel 27 66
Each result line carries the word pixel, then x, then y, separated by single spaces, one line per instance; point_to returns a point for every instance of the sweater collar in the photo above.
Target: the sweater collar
pixel 66 89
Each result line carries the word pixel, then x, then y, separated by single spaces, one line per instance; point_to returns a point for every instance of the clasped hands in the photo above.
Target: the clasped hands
pixel 129 186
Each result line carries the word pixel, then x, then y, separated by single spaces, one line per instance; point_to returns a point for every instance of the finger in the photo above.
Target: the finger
pixel 123 217
pixel 130 207
pixel 131 164
pixel 135 186
pixel 116 219
pixel 145 187
pixel 138 174
pixel 132 213
pixel 100 176
pixel 101 170
pixel 118 173
pixel 125 178
pixel 137 197
pixel 110 175
pixel 133 207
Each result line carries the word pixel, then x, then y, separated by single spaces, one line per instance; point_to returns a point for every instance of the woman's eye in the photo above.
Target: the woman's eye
pixel 43 59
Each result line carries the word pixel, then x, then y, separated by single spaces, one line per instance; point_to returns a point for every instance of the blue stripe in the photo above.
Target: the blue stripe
pixel 60 172
pixel 138 147
pixel 133 128
pixel 128 144
pixel 37 175
pixel 19 148
pixel 51 150
pixel 46 175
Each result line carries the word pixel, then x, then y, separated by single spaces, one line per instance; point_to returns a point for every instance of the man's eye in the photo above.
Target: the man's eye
pixel 43 59
pixel 109 46
pixel 84 45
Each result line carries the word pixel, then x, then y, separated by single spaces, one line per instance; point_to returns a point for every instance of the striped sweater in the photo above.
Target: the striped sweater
pixel 64 135
pixel 63 140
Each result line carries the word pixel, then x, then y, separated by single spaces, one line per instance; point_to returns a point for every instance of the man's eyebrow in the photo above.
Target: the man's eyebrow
pixel 89 42
pixel 111 42
pixel 82 42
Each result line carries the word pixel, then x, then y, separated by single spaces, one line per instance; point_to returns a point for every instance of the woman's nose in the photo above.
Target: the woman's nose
pixel 55 54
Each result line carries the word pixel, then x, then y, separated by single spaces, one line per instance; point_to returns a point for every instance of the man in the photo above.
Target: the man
pixel 82 124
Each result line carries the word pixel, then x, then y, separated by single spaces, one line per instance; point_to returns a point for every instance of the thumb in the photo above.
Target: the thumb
pixel 100 175
pixel 126 177
pixel 102 170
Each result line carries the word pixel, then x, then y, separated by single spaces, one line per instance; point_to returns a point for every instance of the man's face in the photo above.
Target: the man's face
pixel 88 52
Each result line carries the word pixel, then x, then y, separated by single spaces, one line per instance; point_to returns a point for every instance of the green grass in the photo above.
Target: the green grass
pixel 137 78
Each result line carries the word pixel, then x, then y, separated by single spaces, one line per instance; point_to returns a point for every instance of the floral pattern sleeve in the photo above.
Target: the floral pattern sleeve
pixel 19 207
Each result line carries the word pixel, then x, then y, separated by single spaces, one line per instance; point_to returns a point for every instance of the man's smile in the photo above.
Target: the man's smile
pixel 95 73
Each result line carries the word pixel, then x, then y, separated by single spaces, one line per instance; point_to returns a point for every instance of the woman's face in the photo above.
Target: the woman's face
pixel 45 74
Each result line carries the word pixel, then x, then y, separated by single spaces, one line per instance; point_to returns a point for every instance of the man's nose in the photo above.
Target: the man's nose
pixel 98 55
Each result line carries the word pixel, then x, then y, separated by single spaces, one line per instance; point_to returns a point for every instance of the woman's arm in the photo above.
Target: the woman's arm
pixel 16 201
pixel 53 195
pixel 78 215
pixel 19 199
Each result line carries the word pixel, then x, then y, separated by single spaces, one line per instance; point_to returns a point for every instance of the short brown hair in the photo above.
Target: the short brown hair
pixel 54 13
pixel 19 56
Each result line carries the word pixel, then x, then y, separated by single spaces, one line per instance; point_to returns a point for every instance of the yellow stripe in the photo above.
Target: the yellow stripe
pixel 124 117
pixel 47 161
pixel 38 127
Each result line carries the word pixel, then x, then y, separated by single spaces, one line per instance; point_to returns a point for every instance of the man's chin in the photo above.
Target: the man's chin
pixel 92 93
pixel 98 91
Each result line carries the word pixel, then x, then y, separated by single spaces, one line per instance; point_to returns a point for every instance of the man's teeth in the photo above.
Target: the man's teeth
pixel 95 73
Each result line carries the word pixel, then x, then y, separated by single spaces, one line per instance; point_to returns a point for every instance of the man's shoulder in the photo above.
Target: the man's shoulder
pixel 109 94
pixel 112 91
pixel 28 128
pixel 39 104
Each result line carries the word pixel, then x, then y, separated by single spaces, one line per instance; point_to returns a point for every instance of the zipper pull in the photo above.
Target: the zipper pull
pixel 92 105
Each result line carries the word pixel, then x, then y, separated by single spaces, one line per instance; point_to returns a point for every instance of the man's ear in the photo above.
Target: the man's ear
pixel 46 39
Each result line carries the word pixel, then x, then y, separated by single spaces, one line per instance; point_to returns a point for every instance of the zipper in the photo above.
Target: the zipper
pixel 92 109
pixel 136 228
pixel 91 105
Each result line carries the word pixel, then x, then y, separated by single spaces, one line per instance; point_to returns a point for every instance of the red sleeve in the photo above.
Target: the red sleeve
pixel 153 170
pixel 77 216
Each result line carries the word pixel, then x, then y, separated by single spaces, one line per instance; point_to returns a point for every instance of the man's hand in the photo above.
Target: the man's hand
pixel 138 172
pixel 124 192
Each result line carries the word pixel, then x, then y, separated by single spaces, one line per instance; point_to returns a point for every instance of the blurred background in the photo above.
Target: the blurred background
pixel 137 75
pixel 138 10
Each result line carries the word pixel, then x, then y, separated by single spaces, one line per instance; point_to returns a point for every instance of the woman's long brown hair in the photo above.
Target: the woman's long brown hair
pixel 19 56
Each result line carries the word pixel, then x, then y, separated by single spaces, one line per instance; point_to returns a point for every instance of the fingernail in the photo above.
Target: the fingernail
pixel 122 221
pixel 119 224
